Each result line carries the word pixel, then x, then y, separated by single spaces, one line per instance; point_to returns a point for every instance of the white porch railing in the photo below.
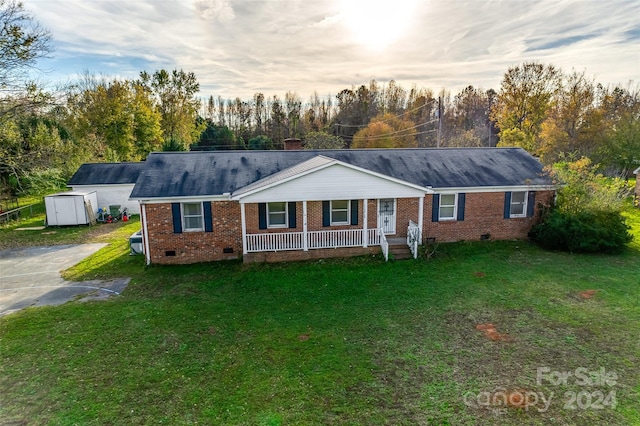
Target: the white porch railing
pixel 275 241
pixel 413 238
pixel 335 239
pixel 282 241
pixel 384 244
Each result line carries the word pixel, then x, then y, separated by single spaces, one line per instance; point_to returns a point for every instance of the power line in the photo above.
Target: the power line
pixel 391 118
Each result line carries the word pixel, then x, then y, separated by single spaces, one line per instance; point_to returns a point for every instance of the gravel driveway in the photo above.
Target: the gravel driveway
pixel 31 277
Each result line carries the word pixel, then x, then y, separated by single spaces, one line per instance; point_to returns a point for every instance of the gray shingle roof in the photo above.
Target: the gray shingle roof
pixel 106 173
pixel 180 174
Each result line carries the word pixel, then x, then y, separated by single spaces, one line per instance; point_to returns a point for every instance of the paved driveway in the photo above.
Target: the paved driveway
pixel 31 277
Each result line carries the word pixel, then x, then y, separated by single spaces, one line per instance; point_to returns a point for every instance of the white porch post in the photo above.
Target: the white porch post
pixel 244 229
pixel 420 217
pixel 145 232
pixel 305 242
pixel 365 231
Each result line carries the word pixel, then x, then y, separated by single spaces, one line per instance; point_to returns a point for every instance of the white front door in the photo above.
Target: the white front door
pixel 387 215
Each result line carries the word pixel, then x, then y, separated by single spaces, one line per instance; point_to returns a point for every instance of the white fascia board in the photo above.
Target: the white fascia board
pixel 495 189
pixel 426 190
pixel 224 197
pixel 636 171
pixel 106 185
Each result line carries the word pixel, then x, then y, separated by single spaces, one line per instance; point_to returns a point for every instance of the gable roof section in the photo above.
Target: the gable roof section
pixel 636 171
pixel 106 173
pixel 322 178
pixel 192 174
pixel 303 168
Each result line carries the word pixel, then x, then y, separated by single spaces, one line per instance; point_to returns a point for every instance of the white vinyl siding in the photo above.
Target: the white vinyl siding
pixel 192 219
pixel 335 183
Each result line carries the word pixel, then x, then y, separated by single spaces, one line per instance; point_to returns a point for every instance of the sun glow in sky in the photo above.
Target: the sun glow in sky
pixel 377 23
pixel 238 48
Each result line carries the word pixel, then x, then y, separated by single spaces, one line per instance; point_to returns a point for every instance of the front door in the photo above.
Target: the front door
pixel 387 215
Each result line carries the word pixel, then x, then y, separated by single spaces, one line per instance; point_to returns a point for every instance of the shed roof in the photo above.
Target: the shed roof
pixel 106 173
pixel 180 174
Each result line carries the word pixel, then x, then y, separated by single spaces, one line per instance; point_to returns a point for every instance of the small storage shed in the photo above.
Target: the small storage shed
pixel 71 208
pixel 112 181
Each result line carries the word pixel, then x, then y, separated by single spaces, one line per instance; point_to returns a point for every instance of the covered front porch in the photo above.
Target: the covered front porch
pixel 323 205
pixel 381 230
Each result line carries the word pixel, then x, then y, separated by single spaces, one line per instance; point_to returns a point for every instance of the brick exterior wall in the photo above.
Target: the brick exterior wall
pixel 638 189
pixel 193 247
pixel 483 215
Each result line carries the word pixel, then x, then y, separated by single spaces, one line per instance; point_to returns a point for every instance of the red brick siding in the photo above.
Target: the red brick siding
pixel 638 189
pixel 193 247
pixel 314 219
pixel 483 215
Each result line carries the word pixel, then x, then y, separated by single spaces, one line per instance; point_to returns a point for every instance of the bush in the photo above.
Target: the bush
pixel 582 232
pixel 38 182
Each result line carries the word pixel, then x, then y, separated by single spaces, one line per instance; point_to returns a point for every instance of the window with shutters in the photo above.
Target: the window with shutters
pixel 447 210
pixel 192 218
pixel 277 215
pixel 518 206
pixel 340 212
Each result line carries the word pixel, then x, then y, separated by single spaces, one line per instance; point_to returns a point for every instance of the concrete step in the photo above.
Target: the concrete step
pixel 400 251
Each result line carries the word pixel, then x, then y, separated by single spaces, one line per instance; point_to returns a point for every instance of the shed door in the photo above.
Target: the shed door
pixel 65 210
pixel 387 215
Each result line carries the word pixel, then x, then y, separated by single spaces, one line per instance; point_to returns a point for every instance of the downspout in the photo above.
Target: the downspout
pixel 420 218
pixel 244 229
pixel 145 232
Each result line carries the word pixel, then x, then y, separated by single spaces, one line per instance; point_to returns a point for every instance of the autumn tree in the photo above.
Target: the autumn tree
pixel 22 42
pixel 620 147
pixel 28 140
pixel 175 96
pixel 322 140
pixel 117 120
pixel 526 93
pixel 386 131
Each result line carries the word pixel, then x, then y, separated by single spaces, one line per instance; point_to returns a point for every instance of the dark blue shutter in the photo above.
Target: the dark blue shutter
pixel 262 215
pixel 208 217
pixel 507 205
pixel 177 219
pixel 354 212
pixel 531 203
pixel 326 213
pixel 292 215
pixel 435 208
pixel 461 199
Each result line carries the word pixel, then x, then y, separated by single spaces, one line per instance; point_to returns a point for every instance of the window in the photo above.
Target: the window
pixel 340 212
pixel 192 217
pixel 277 215
pixel 447 207
pixel 518 206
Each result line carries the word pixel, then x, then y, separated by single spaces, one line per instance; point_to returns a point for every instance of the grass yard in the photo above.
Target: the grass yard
pixel 356 341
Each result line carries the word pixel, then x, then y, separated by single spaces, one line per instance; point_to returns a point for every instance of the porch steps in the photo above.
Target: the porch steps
pixel 400 251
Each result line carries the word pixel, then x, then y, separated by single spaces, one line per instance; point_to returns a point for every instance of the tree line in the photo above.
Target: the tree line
pixel 46 135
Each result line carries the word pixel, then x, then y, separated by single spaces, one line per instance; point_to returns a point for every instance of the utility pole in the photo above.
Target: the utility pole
pixel 439 119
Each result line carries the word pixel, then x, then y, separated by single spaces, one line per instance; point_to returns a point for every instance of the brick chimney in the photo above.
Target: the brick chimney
pixel 292 144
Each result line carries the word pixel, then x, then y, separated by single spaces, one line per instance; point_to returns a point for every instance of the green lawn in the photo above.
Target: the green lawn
pixel 356 341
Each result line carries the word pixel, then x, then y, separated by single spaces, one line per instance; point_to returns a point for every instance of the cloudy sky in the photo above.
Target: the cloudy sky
pixel 239 47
